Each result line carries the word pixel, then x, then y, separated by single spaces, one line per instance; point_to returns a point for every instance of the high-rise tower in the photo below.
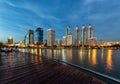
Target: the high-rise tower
pixel 31 36
pixel 84 36
pixel 39 36
pixel 50 37
pixel 10 40
pixel 77 35
pixel 90 31
pixel 68 30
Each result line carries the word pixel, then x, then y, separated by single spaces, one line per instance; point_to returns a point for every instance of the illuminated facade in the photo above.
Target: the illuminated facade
pixel 39 36
pixel 77 35
pixel 84 36
pixel 69 40
pixel 50 37
pixel 90 31
pixel 10 40
pixel 64 41
pixel 92 41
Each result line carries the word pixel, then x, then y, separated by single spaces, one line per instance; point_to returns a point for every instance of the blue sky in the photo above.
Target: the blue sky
pixel 18 16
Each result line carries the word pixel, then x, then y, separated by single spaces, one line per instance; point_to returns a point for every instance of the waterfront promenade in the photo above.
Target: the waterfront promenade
pixel 26 68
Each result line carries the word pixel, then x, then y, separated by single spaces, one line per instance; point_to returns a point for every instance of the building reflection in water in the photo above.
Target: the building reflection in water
pixel 50 52
pixel 81 54
pixel 38 51
pixel 22 50
pixel 32 51
pixel 69 54
pixel 109 60
pixel 59 53
pixel 102 54
pixel 63 54
pixel 10 60
pixel 94 58
pixel 89 55
pixel 55 52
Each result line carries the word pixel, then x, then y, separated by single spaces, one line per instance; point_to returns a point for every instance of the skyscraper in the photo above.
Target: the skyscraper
pixel 31 36
pixel 84 36
pixel 39 36
pixel 26 40
pixel 69 40
pixel 77 35
pixel 68 30
pixel 64 41
pixel 90 31
pixel 10 40
pixel 50 37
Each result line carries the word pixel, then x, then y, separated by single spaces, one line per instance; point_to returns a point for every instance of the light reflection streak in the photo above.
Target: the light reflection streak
pixel 63 54
pixel 81 54
pixel 94 59
pixel 109 60
pixel 10 59
pixel 102 54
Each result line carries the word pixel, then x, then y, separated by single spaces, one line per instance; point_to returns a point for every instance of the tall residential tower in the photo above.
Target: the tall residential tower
pixel 31 36
pixel 90 31
pixel 84 36
pixel 50 37
pixel 68 32
pixel 77 35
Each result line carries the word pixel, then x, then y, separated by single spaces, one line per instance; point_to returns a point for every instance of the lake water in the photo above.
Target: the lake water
pixel 105 61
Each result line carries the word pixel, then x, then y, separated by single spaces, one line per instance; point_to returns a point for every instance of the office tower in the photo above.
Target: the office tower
pixel 39 36
pixel 10 40
pixel 90 31
pixel 50 37
pixel 64 41
pixel 84 37
pixel 68 30
pixel 69 40
pixel 77 35
pixel 31 36
pixel 26 39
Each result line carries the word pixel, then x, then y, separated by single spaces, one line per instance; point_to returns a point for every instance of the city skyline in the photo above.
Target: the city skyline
pixel 17 17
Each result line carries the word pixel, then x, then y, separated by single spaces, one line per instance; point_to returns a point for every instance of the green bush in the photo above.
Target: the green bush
pixel 1 44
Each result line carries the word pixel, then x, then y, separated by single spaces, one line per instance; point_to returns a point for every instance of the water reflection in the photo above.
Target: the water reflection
pixel 94 59
pixel 109 60
pixel 38 51
pixel 81 54
pixel 63 55
pixel 69 54
pixel 10 60
pixel 102 54
pixel 100 60
pixel 89 55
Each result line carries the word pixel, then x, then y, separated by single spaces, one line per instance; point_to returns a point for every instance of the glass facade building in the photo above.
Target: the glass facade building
pixel 39 36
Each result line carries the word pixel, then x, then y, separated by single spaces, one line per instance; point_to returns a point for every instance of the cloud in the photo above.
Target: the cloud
pixel 8 2
pixel 88 2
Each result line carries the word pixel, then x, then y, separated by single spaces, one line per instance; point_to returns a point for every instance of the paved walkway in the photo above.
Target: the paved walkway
pixel 20 68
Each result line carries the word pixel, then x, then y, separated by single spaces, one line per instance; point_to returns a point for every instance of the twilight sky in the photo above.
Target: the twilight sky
pixel 18 16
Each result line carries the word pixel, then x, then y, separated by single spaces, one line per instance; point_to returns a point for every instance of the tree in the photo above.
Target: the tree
pixel 1 44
